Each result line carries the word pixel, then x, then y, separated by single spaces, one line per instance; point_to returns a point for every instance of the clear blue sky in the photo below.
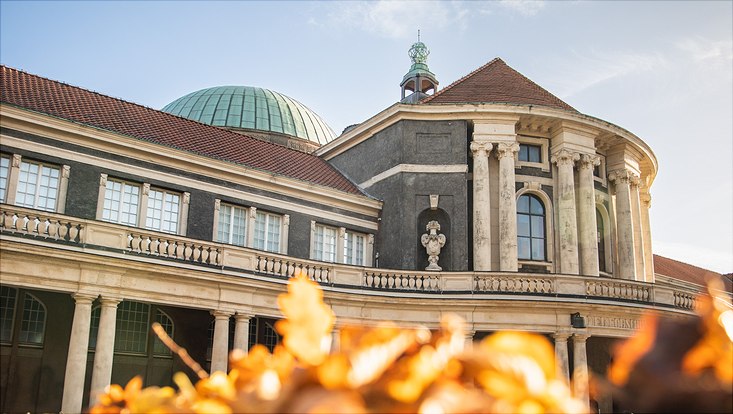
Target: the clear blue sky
pixel 662 70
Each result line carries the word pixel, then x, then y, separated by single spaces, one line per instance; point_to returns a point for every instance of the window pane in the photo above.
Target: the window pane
pixel 273 233
pixel 534 153
pixel 33 324
pixel 538 249
pixel 260 231
pixel 121 203
pixel 523 155
pixel 94 327
pixel 523 204
pixel 535 206
pixel 4 171
pixel 538 226
pixel 318 243
pixel 225 221
pixel 523 225
pixel 7 312
pixel 523 248
pixel 239 226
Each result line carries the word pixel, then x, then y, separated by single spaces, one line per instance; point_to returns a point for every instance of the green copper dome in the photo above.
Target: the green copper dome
pixel 246 107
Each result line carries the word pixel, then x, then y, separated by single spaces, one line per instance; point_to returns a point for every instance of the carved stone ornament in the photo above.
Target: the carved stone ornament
pixel 622 175
pixel 564 157
pixel 589 161
pixel 481 148
pixel 505 149
pixel 433 242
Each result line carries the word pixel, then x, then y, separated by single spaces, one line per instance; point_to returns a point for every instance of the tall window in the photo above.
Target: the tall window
pixel 530 153
pixel 267 232
pixel 121 201
pixel 354 248
pixel 530 228
pixel 131 333
pixel 4 172
pixel 600 234
pixel 38 186
pixel 163 210
pixel 232 225
pixel 324 243
pixel 166 323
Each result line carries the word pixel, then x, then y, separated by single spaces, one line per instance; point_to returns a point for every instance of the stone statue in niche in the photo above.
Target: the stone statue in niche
pixel 433 242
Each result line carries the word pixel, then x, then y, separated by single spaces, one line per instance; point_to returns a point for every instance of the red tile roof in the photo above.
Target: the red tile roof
pixel 687 272
pixel 496 82
pixel 75 104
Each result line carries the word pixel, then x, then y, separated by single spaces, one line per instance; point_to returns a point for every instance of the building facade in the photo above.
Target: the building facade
pixel 115 216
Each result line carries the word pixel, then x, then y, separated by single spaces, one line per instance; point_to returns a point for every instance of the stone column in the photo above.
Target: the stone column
pixel 508 261
pixel 284 236
pixel 646 204
pixel 12 183
pixel 105 348
pixel 220 347
pixel 76 360
pixel 587 226
pixel 567 221
pixel 580 371
pixel 335 339
pixel 561 355
pixel 241 331
pixel 624 226
pixel 481 206
pixel 636 220
pixel 63 189
pixel 468 342
pixel 183 219
pixel 101 194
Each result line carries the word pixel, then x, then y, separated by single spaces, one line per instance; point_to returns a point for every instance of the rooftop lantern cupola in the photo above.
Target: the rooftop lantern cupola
pixel 419 80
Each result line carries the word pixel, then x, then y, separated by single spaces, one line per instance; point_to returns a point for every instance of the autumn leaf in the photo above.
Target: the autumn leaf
pixel 308 322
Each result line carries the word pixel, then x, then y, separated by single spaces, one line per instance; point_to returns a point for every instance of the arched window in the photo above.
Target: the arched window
pixel 601 237
pixel 530 228
pixel 32 318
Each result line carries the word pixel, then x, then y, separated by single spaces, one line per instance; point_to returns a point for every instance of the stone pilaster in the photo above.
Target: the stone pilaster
pixel 580 370
pixel 241 331
pixel 12 182
pixel 481 206
pixel 506 153
pixel 561 355
pixel 76 359
pixel 624 224
pixel 646 204
pixel 587 227
pixel 105 348
pixel 567 221
pixel 636 225
pixel 220 347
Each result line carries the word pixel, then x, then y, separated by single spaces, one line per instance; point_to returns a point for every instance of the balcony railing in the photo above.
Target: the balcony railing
pixel 89 234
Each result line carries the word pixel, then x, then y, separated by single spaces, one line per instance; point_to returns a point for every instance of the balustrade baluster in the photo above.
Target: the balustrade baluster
pixel 73 232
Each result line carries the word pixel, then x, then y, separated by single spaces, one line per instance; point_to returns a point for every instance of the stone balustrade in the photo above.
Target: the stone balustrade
pixel 515 284
pixel 422 282
pixel 173 247
pixel 41 224
pixel 278 265
pixel 616 289
pixel 684 300
pixel 93 234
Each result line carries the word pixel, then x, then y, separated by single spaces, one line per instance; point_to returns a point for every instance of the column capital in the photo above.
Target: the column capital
pixel 83 298
pixel 646 199
pixel 109 301
pixel 564 157
pixel 622 175
pixel 220 314
pixel 16 160
pixel 217 204
pixel 481 148
pixel 506 149
pixel 561 336
pixel 146 188
pixel 588 161
pixel 241 316
pixel 253 212
pixel 103 180
pixel 186 197
pixel 65 171
pixel 286 219
pixel 580 337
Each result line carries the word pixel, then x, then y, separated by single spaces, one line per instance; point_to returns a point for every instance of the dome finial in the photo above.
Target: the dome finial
pixel 419 80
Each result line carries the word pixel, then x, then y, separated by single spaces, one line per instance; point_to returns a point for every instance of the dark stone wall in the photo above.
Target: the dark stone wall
pixel 406 195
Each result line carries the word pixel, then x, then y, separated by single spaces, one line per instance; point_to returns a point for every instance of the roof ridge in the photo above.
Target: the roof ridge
pixel 687 264
pixel 147 108
pixel 492 61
